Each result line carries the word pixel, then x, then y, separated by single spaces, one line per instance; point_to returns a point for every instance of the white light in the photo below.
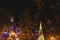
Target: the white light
pixel 5 32
pixel 17 39
pixel 18 33
pixel 12 20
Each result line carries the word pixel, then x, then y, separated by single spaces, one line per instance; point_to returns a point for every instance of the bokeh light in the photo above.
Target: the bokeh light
pixel 52 38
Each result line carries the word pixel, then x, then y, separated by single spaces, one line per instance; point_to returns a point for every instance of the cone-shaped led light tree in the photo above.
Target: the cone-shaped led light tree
pixel 41 36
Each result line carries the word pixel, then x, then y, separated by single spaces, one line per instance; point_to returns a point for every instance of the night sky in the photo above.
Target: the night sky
pixel 17 5
pixel 46 10
pixel 20 5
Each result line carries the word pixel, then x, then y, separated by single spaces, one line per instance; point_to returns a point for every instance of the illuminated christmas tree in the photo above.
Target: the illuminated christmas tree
pixel 41 36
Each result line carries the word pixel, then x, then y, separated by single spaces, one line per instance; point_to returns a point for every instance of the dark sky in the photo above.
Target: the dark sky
pixel 16 5
pixel 19 6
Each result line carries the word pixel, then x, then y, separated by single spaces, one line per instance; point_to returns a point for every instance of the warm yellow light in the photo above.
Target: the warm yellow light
pixel 41 36
pixel 52 38
pixel 9 38
pixel 12 34
pixel 15 35
pixel 9 34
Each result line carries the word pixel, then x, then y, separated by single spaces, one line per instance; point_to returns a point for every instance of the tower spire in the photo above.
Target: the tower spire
pixel 41 36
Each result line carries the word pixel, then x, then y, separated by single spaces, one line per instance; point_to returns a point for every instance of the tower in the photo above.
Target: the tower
pixel 41 36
